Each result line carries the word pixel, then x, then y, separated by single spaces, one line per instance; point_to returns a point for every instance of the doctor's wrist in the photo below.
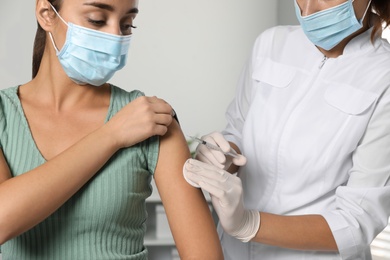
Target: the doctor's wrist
pixel 250 226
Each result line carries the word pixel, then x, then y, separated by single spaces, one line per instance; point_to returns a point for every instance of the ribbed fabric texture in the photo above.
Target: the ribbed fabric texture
pixel 106 218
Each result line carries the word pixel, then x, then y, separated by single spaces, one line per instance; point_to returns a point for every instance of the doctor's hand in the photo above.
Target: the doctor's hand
pixel 225 191
pixel 217 158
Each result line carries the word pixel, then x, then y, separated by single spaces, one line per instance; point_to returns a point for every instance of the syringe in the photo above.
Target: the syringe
pixel 231 153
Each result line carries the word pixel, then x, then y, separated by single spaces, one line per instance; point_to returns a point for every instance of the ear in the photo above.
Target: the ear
pixel 45 14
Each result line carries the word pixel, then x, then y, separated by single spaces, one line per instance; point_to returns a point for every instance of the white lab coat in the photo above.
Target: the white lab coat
pixel 316 134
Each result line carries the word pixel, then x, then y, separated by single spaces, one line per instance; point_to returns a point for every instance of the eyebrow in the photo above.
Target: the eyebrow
pixel 110 7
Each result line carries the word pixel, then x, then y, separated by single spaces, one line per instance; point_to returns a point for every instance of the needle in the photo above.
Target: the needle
pixel 231 153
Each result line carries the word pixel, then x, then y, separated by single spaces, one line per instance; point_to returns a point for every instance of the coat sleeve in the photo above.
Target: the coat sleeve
pixel 363 204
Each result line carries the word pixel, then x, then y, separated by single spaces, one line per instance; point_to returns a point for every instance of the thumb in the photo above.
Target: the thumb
pixel 187 175
pixel 240 160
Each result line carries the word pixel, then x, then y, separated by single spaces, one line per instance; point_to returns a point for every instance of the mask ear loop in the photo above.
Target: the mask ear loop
pixel 58 14
pixel 51 36
pixel 365 12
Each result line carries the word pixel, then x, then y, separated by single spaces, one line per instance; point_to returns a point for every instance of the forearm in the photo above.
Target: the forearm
pixel 309 232
pixel 38 193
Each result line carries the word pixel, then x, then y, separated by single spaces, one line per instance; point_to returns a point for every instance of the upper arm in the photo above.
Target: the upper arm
pixel 4 169
pixel 187 210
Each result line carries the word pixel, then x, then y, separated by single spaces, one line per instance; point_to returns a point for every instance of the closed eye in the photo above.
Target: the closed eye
pixel 97 23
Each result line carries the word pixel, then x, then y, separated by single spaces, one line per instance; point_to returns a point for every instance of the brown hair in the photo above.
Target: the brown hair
pixel 382 9
pixel 40 41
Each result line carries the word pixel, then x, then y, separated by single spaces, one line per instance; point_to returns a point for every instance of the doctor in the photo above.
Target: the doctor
pixel 312 117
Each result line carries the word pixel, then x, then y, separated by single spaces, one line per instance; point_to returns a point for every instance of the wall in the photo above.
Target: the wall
pixel 187 52
pixel 286 12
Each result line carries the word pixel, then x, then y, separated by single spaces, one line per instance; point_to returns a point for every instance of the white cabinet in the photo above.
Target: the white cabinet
pixel 158 238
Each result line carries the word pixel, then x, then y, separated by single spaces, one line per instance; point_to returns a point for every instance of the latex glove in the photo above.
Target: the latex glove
pixel 225 191
pixel 217 158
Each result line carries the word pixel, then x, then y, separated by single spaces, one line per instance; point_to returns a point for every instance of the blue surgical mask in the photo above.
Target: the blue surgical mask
pixel 90 56
pixel 329 27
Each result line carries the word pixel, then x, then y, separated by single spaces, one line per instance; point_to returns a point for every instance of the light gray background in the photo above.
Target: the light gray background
pixel 188 52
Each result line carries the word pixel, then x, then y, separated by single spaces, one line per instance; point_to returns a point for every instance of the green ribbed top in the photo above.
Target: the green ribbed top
pixel 106 218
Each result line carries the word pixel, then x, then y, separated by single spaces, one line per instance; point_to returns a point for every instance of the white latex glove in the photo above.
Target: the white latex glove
pixel 226 196
pixel 217 158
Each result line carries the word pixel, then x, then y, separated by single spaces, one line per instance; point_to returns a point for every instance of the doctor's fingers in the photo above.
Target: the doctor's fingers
pixel 227 197
pixel 215 192
pixel 218 139
pixel 200 171
pixel 199 165
pixel 240 160
pixel 191 178
pixel 207 184
pixel 210 156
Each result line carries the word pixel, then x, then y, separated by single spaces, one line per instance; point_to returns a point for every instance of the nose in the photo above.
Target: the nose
pixel 305 10
pixel 114 29
pixel 308 7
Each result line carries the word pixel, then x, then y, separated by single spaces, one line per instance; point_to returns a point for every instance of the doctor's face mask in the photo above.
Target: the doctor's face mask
pixel 329 27
pixel 90 56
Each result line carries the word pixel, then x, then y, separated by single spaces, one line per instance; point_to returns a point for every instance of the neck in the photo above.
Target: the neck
pixel 56 90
